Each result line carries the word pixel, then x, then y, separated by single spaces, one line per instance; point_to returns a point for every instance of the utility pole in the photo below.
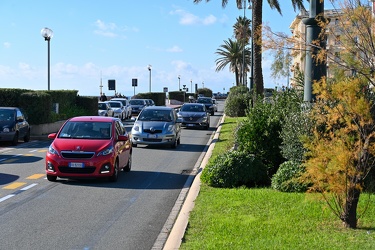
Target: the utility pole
pixel 314 70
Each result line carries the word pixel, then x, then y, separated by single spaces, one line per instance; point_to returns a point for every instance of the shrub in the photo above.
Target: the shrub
pixel 259 133
pixel 296 126
pixel 237 102
pixel 287 179
pixel 235 169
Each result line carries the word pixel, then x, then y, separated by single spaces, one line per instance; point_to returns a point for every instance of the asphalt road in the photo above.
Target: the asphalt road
pixel 94 214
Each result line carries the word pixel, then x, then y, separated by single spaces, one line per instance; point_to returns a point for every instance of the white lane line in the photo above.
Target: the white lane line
pixel 17 192
pixel 29 186
pixel 6 197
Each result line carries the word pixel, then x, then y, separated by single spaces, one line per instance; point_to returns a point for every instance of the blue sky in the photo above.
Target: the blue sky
pixel 95 41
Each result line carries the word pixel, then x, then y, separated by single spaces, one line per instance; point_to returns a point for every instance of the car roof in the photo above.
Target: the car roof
pixel 10 108
pixel 158 108
pixel 118 98
pixel 193 104
pixel 92 119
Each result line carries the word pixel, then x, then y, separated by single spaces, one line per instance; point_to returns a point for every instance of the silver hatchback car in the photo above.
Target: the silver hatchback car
pixel 157 125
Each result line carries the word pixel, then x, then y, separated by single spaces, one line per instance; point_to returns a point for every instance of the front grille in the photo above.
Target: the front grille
pixel 77 155
pixel 68 170
pixel 191 119
pixel 151 140
pixel 156 131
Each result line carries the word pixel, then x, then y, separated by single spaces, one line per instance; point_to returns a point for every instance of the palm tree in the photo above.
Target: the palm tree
pixel 257 33
pixel 231 53
pixel 242 33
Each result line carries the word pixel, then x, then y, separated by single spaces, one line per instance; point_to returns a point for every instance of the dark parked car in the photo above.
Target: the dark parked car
pixel 13 125
pixel 207 101
pixel 89 146
pixel 194 115
pixel 137 105
pixel 157 125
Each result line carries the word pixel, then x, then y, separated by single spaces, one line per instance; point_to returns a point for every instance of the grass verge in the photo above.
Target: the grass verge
pixel 267 219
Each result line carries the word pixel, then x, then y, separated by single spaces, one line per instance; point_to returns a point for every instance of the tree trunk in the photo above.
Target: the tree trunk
pixel 349 216
pixel 257 50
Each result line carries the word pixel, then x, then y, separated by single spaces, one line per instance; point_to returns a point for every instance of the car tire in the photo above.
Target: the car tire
pixel 128 166
pixel 207 126
pixel 114 176
pixel 15 139
pixel 212 112
pixel 51 178
pixel 175 143
pixel 26 138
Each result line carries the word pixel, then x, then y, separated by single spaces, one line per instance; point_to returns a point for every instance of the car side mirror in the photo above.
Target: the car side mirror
pixel 52 136
pixel 123 138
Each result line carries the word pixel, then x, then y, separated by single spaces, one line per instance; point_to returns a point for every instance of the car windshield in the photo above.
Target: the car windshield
pixel 204 100
pixel 86 130
pixel 155 115
pixel 7 115
pixel 115 104
pixel 192 108
pixel 102 106
pixel 137 102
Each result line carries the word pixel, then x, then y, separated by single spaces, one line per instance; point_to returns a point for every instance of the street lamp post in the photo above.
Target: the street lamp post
pixel 179 78
pixel 191 85
pixel 47 34
pixel 203 84
pixel 149 69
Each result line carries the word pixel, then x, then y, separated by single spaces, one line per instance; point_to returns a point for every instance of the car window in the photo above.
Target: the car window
pixel 102 106
pixel 204 100
pixel 155 115
pixel 19 116
pixel 7 115
pixel 115 104
pixel 86 130
pixel 119 129
pixel 137 102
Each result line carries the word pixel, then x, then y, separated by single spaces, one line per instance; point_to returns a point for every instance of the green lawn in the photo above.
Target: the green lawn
pixel 267 219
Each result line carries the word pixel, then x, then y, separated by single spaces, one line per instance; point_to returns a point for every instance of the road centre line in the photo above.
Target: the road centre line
pixel 17 192
pixel 6 197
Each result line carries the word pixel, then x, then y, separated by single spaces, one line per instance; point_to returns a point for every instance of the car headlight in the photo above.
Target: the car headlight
pixel 170 128
pixel 6 130
pixel 102 113
pixel 52 151
pixel 136 127
pixel 106 151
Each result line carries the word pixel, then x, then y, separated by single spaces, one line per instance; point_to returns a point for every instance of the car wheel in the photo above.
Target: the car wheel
pixel 26 138
pixel 207 126
pixel 51 177
pixel 15 139
pixel 175 143
pixel 128 166
pixel 212 112
pixel 114 176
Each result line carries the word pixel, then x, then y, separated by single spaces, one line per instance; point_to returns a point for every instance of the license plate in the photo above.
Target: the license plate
pixel 76 165
pixel 190 125
pixel 152 136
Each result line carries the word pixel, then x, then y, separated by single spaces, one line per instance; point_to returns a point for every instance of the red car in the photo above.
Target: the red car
pixel 89 146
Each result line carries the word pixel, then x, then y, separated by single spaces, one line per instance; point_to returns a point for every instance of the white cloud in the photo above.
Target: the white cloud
pixel 174 49
pixel 104 29
pixel 6 45
pixel 187 18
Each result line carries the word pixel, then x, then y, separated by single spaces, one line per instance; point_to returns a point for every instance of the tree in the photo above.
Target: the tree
pixel 257 6
pixel 342 147
pixel 242 33
pixel 231 53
